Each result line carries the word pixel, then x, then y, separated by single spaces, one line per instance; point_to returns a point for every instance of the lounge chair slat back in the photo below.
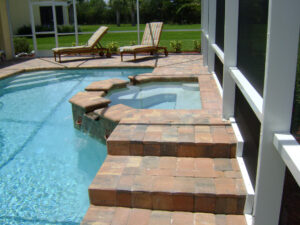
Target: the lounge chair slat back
pixel 97 36
pixel 154 30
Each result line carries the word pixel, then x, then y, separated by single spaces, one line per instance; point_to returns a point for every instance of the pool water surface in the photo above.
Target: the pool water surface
pixel 46 165
pixel 159 95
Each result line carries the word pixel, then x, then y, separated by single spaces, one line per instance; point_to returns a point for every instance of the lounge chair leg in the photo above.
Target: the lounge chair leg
pixel 59 58
pixel 134 55
pixel 166 52
pixel 54 57
pixel 121 57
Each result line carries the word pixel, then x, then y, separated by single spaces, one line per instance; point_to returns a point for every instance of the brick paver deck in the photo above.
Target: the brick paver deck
pixel 179 161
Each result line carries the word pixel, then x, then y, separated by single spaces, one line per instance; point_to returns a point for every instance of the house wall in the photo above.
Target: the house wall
pixel 19 10
pixel 5 41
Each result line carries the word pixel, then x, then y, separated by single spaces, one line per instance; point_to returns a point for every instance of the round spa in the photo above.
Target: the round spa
pixel 158 95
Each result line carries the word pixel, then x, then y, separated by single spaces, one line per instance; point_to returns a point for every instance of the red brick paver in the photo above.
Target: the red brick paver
pixel 169 183
pixel 129 216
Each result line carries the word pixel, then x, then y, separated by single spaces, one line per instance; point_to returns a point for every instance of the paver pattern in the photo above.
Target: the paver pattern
pixel 106 85
pixel 170 183
pixel 89 101
pixel 176 63
pixel 172 140
pixel 136 216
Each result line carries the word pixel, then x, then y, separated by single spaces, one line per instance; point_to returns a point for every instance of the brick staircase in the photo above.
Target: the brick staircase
pixel 168 174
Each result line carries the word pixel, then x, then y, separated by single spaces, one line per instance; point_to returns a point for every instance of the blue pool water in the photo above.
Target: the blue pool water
pixel 170 95
pixel 46 165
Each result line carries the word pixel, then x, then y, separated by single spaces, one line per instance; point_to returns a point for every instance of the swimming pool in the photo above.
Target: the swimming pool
pixel 46 165
pixel 159 95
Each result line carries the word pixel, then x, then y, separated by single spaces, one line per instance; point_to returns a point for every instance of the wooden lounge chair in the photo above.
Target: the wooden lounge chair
pixel 93 46
pixel 149 43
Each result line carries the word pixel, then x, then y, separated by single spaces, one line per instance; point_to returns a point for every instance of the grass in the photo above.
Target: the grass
pixel 187 37
pixel 113 27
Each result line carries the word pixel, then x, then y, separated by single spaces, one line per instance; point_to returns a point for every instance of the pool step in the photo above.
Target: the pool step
pixel 131 216
pixel 173 140
pixel 170 183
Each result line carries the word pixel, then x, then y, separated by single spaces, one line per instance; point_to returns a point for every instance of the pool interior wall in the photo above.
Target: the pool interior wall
pixel 46 165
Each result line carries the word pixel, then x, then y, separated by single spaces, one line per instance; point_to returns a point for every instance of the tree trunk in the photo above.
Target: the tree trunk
pixel 118 17
pixel 132 17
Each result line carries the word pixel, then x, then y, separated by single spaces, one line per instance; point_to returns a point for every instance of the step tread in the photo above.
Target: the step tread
pixel 131 216
pixel 174 133
pixel 202 184
pixel 173 140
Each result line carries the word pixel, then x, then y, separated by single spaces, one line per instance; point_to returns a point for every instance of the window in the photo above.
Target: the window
pixel 220 22
pixel 252 37
pixel 249 127
pixel 47 18
pixel 219 69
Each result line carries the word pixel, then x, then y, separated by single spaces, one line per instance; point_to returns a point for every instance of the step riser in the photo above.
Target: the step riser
pixel 220 204
pixel 171 149
pixel 126 216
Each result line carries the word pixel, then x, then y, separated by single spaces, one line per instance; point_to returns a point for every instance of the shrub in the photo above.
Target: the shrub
pixel 197 46
pixel 176 45
pixel 113 47
pixel 24 30
pixel 67 29
pixel 21 44
pixel 132 43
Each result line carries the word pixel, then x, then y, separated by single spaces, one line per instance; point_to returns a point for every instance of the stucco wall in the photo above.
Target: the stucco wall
pixel 5 41
pixel 19 11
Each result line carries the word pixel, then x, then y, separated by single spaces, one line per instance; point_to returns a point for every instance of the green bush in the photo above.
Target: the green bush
pixel 67 29
pixel 21 44
pixel 176 45
pixel 197 46
pixel 132 43
pixel 26 29
pixel 113 47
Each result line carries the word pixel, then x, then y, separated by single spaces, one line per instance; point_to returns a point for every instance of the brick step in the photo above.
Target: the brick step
pixel 133 216
pixel 173 140
pixel 170 183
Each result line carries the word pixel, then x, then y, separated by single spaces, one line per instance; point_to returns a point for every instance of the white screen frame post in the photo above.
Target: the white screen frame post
pixel 230 51
pixel 212 34
pixel 55 22
pixel 32 27
pixel 204 31
pixel 75 21
pixel 280 74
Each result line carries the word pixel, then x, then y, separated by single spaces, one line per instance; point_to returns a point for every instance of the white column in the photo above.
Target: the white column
pixel 280 72
pixel 204 28
pixel 212 34
pixel 55 23
pixel 230 52
pixel 75 21
pixel 32 27
pixel 138 20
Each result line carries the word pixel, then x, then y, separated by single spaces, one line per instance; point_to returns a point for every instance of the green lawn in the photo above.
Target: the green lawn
pixel 113 27
pixel 123 39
